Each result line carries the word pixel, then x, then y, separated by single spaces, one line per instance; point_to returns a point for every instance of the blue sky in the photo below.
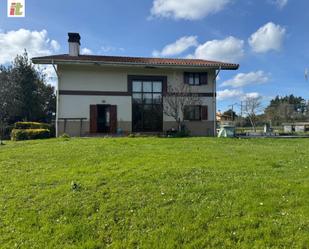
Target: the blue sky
pixel 269 38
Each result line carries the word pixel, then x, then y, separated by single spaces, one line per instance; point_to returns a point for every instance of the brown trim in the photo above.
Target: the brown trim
pixel 204 112
pixel 94 93
pixel 148 77
pixel 197 94
pixel 93 128
pixel 207 94
pixel 113 119
pixel 116 93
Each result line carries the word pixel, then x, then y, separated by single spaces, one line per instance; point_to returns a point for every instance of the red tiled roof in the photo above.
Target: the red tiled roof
pixel 64 58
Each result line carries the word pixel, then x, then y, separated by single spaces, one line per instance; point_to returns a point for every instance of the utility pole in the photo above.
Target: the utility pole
pixel 232 108
pixel 241 109
pixel 241 114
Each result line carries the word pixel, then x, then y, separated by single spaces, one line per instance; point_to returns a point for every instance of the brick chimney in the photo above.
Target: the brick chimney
pixel 74 44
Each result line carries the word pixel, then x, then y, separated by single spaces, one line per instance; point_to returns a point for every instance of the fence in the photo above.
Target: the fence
pixel 5 132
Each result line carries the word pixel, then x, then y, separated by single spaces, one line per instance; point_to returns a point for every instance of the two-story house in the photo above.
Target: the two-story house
pixel 110 94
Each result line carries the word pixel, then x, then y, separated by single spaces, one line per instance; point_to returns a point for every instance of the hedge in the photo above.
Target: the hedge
pixel 31 125
pixel 27 134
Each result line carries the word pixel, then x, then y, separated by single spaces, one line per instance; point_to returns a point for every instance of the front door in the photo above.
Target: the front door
pixel 103 119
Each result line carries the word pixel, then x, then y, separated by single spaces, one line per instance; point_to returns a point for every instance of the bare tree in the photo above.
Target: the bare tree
pixel 252 106
pixel 176 100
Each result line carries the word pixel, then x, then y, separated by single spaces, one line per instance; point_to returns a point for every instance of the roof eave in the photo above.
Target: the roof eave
pixel 104 63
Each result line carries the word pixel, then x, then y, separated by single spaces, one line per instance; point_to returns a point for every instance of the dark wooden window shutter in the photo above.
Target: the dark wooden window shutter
pixel 113 119
pixel 204 112
pixel 186 78
pixel 204 78
pixel 93 119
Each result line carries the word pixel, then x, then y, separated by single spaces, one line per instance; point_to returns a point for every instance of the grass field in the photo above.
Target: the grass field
pixel 154 193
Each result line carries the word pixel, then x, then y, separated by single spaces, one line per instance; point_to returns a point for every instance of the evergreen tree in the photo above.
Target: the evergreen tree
pixel 286 109
pixel 24 94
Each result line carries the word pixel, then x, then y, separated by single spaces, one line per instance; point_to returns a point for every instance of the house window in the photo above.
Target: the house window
pixel 147 105
pixel 147 92
pixel 192 113
pixel 195 79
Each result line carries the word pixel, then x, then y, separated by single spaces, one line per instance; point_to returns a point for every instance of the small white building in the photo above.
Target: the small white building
pixel 296 127
pixel 106 94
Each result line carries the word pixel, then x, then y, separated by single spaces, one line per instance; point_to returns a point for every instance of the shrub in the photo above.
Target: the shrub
pixel 175 133
pixel 31 125
pixel 28 134
pixel 31 130
pixel 183 133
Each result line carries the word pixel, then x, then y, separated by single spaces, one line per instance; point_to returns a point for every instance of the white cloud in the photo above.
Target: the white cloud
pixel 86 51
pixel 267 38
pixel 36 43
pixel 244 79
pixel 229 49
pixel 280 3
pixel 55 45
pixel 229 94
pixel 235 94
pixel 187 9
pixel 177 47
pixel 251 95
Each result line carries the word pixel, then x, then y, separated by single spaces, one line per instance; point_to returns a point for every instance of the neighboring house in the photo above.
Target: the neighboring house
pixel 110 94
pixel 223 118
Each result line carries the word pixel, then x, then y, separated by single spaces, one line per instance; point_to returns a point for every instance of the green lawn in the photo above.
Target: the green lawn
pixel 155 193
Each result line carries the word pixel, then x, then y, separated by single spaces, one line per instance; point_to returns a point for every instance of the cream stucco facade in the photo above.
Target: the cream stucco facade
pixel 83 85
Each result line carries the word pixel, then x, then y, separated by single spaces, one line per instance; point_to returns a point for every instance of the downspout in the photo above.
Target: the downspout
pixel 57 98
pixel 215 101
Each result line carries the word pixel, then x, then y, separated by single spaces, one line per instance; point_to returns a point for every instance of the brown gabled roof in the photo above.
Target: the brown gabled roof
pixel 143 61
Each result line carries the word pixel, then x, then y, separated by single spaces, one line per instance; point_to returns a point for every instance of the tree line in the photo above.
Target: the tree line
pixel 281 109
